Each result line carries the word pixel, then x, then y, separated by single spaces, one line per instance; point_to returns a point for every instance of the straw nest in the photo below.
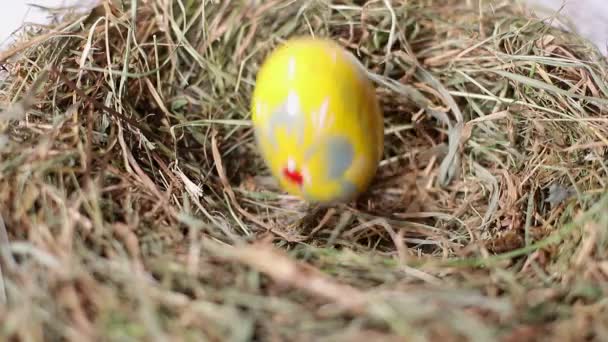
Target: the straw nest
pixel 135 206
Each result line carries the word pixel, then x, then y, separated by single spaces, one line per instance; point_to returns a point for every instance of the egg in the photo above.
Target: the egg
pixel 317 121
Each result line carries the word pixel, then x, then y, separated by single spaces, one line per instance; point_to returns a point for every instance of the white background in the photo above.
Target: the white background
pixel 590 16
pixel 14 13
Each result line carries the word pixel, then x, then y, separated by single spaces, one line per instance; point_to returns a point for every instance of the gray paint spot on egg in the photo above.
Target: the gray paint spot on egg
pixel 349 189
pixel 347 192
pixel 340 155
pixel 283 118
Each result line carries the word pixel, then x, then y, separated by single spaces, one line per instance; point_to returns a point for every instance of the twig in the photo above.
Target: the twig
pixel 5 257
pixel 3 296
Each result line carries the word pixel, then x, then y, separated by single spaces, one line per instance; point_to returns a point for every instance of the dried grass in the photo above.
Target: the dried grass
pixel 135 206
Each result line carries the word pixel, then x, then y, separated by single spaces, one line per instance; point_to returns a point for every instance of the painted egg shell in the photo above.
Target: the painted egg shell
pixel 317 121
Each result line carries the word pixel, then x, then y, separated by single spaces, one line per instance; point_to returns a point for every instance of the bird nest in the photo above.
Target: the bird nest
pixel 135 205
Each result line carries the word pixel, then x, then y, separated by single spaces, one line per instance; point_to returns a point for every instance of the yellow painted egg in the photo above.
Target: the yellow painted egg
pixel 317 121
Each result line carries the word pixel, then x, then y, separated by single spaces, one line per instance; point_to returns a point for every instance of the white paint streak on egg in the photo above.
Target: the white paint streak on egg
pixel 293 103
pixel 323 113
pixel 291 165
pixel 291 69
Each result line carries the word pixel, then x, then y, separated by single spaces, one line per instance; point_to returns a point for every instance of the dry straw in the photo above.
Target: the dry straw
pixel 135 206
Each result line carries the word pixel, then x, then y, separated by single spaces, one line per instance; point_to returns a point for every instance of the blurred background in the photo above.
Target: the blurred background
pixel 589 17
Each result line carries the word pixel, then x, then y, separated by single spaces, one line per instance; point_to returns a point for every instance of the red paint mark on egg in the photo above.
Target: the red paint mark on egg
pixel 293 176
